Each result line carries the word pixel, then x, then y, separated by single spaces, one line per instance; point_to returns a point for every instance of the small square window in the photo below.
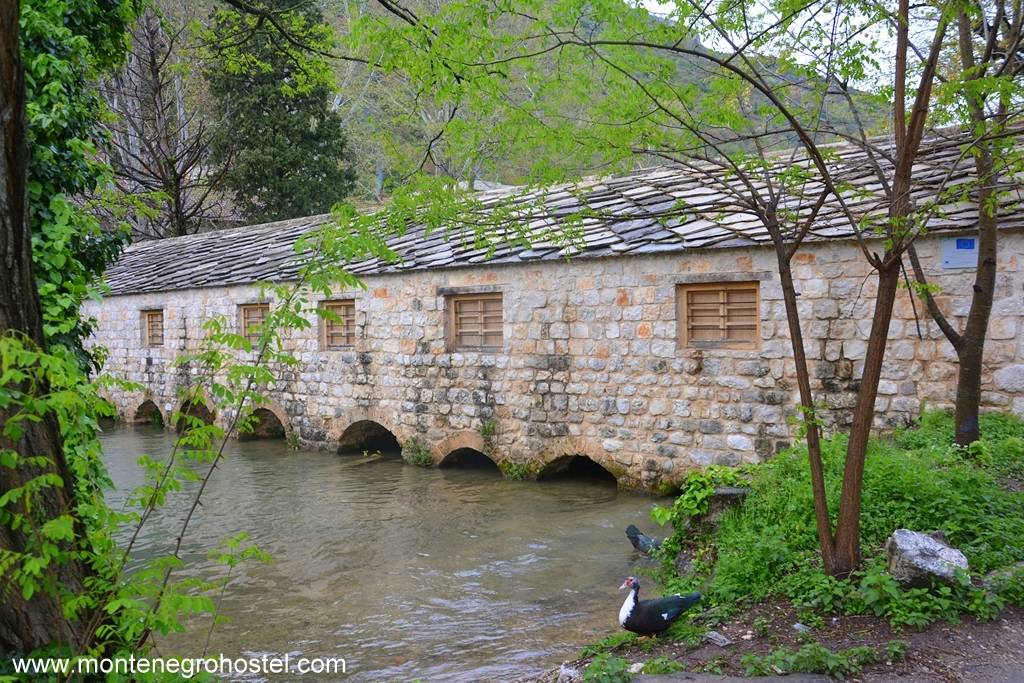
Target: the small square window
pixel 153 328
pixel 475 321
pixel 251 318
pixel 340 333
pixel 719 315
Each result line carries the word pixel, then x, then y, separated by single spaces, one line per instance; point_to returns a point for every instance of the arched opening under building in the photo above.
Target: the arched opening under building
pixel 367 436
pixel 196 409
pixel 470 459
pixel 576 468
pixel 148 414
pixel 264 425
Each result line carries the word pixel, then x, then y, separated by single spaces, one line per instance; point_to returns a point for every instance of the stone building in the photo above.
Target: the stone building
pixel 658 347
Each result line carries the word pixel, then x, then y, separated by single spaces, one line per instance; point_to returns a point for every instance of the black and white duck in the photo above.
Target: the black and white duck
pixel 650 617
pixel 642 541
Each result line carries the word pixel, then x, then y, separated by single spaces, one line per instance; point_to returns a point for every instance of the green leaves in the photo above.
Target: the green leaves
pixel 66 45
pixel 281 145
pixel 768 545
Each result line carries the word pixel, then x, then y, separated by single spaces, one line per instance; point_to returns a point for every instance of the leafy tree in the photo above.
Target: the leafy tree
pixel 282 146
pixel 65 46
pixel 981 92
pixel 52 252
pixel 776 75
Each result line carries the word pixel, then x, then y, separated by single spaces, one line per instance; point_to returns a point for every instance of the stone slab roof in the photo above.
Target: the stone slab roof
pixel 658 210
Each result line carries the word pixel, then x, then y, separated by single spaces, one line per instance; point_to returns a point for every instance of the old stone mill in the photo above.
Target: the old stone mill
pixel 648 347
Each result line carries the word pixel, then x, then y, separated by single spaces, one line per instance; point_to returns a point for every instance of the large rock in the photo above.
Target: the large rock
pixel 917 559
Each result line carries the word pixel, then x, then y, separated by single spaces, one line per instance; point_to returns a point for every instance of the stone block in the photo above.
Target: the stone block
pixel 1010 379
pixel 739 442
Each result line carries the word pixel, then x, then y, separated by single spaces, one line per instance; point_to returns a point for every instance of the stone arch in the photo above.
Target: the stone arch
pixel 194 408
pixel 147 413
pixel 467 439
pixel 271 422
pixel 470 459
pixel 571 456
pixel 340 425
pixel 368 435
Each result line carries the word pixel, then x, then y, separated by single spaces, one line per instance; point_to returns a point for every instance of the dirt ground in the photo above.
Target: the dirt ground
pixel 968 652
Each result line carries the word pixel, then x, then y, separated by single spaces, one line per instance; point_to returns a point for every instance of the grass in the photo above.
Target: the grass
pixel 766 548
pixel 417 453
pixel 917 480
pixel 517 471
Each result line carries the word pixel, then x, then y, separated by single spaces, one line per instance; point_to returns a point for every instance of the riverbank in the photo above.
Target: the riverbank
pixel 768 607
pixel 971 651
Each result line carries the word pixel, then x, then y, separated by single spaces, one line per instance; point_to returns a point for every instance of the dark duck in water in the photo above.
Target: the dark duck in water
pixel 642 541
pixel 650 617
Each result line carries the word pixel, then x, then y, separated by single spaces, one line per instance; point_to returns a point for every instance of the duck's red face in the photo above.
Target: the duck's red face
pixel 629 583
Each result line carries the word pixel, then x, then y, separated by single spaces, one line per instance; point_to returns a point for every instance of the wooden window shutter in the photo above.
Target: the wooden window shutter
pixel 720 315
pixel 475 321
pixel 153 328
pixel 342 332
pixel 253 316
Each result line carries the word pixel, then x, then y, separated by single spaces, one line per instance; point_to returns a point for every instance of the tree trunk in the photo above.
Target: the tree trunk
pixel 25 625
pixel 846 554
pixel 968 392
pixel 971 352
pixel 813 436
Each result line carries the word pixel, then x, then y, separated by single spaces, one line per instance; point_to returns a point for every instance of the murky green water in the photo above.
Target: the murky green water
pixel 442 575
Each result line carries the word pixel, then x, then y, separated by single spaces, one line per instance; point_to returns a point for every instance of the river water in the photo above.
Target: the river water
pixel 407 573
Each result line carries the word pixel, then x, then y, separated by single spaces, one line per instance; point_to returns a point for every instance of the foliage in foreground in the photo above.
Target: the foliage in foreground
pixel 65 46
pixel 916 480
pixel 810 658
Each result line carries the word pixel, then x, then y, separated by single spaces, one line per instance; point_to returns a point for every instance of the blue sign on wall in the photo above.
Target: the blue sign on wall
pixel 959 252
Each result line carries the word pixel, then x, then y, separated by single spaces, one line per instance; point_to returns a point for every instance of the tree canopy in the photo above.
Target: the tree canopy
pixel 281 145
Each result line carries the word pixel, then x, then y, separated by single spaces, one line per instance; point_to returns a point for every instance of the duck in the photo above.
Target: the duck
pixel 651 617
pixel 641 541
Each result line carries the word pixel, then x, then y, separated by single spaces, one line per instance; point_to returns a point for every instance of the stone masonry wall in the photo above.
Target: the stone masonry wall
pixel 591 365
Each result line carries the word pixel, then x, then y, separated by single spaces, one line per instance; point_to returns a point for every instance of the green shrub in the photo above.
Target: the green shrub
pixel 685 632
pixel 896 650
pixel 610 642
pixel 1002 458
pixel 514 470
pixel 662 665
pixel 488 429
pixel 1009 585
pixel 692 501
pixel 916 480
pixel 417 453
pixel 605 668
pixel 1000 450
pixel 811 658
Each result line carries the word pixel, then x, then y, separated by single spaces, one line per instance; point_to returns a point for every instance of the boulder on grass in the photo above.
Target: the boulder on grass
pixel 918 560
